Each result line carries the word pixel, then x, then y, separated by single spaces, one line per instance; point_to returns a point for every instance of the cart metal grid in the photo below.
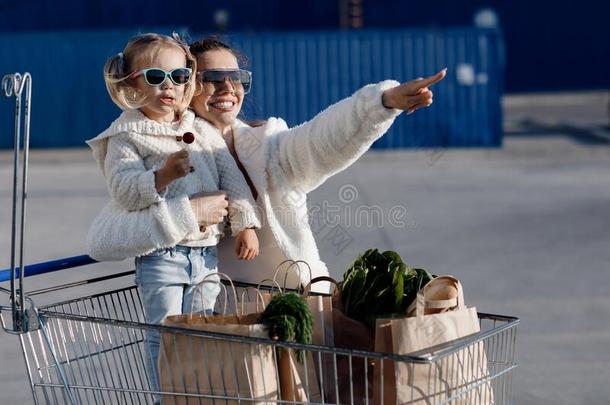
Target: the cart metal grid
pixel 91 350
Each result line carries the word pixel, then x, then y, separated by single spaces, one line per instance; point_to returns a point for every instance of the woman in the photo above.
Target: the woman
pixel 281 165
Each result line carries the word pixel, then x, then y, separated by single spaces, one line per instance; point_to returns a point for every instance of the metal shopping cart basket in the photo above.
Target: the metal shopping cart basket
pixel 91 350
pixel 88 346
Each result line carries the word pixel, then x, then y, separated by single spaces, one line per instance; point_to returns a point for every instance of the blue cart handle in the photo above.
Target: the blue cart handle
pixel 49 267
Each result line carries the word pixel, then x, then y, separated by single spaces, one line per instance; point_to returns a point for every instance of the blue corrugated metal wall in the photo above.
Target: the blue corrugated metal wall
pixel 69 100
pixel 551 44
pixel 296 75
pixel 243 15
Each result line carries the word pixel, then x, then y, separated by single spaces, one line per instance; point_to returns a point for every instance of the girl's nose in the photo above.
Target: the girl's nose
pixel 167 84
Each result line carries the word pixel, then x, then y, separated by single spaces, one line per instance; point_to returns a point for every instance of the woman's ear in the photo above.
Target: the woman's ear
pixel 198 88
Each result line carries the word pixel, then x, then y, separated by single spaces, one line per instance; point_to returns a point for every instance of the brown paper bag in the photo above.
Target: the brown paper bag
pixel 315 367
pixel 217 367
pixel 292 386
pixel 461 373
pixel 323 335
pixel 356 379
pixel 298 381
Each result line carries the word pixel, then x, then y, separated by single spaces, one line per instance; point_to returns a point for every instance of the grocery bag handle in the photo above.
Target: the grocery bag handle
pixel 257 289
pixel 421 302
pixel 273 282
pixel 290 266
pixel 439 304
pixel 256 300
pixel 205 281
pixel 307 289
pixel 279 267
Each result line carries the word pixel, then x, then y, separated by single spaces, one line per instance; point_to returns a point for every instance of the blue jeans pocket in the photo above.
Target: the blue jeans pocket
pixel 211 258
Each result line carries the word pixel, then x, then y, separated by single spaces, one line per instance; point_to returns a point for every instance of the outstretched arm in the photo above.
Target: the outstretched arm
pixel 339 135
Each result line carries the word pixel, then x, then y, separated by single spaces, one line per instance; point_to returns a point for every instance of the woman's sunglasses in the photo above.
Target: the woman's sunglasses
pixel 156 76
pixel 240 79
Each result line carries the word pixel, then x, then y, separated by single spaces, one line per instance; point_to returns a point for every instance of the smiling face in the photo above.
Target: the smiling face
pixel 162 102
pixel 219 104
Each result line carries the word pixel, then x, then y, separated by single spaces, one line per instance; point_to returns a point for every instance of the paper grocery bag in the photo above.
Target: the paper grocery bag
pixel 322 364
pixel 293 387
pixel 355 378
pixel 217 367
pixel 298 380
pixel 459 377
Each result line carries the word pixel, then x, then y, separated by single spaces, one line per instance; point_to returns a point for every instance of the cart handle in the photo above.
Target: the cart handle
pixel 49 267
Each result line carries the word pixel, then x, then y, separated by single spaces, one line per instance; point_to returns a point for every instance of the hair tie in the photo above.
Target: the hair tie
pixel 177 37
pixel 121 63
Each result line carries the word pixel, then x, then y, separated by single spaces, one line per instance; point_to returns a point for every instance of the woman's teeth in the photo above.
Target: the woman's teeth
pixel 224 105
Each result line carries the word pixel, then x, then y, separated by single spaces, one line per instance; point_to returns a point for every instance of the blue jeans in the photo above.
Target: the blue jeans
pixel 167 280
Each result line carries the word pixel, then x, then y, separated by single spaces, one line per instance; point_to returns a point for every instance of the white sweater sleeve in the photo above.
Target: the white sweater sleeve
pixel 117 234
pixel 129 182
pixel 335 138
pixel 243 211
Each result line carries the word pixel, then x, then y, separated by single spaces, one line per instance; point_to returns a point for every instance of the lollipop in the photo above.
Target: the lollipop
pixel 187 138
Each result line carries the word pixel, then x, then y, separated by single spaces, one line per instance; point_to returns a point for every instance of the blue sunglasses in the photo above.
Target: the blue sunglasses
pixel 156 76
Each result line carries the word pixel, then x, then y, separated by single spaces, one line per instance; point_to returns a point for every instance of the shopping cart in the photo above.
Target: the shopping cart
pixel 88 346
pixel 91 350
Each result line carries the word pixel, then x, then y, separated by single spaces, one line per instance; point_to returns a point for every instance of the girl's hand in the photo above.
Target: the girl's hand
pixel 246 245
pixel 210 208
pixel 177 165
pixel 413 95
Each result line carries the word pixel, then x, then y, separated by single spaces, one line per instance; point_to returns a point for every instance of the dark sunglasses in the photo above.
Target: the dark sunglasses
pixel 239 78
pixel 156 76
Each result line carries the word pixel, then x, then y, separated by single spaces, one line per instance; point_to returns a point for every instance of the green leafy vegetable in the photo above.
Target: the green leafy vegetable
pixel 380 285
pixel 289 319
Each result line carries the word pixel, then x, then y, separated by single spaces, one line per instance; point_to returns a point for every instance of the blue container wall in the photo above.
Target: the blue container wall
pixel 198 16
pixel 69 100
pixel 550 44
pixel 296 75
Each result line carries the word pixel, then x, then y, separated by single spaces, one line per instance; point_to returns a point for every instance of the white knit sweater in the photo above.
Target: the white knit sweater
pixel 132 149
pixel 284 164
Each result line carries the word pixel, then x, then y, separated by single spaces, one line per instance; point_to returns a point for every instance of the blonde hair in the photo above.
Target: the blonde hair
pixel 138 49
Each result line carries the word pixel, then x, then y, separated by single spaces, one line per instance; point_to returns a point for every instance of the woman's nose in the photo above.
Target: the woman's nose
pixel 227 85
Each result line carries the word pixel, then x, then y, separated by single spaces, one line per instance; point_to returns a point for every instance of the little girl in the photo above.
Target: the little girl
pixel 145 161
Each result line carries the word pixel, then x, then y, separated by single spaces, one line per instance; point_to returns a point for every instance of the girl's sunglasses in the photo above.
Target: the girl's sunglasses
pixel 240 79
pixel 156 76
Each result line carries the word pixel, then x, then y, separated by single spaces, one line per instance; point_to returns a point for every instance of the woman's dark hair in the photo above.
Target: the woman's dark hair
pixel 213 43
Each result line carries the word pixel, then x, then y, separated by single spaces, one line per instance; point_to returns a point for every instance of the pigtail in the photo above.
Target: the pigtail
pixel 114 68
pixel 120 90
